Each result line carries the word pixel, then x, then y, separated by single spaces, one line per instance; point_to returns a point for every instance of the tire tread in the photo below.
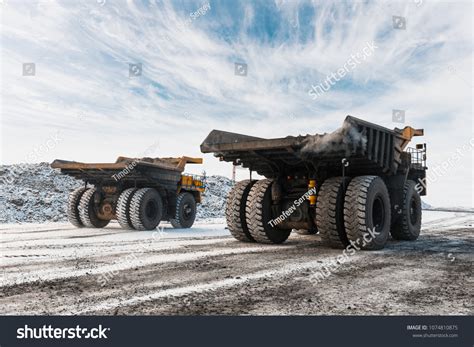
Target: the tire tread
pixel 329 227
pixel 235 210
pixel 123 208
pixel 73 207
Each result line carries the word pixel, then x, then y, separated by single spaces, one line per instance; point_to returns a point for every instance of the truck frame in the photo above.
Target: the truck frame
pixel 138 192
pixel 353 186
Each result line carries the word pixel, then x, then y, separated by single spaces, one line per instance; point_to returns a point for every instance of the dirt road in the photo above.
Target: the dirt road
pixel 57 269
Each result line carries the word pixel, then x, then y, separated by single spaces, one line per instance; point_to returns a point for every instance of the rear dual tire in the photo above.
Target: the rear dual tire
pixel 235 211
pixel 73 207
pixel 248 213
pixel 88 210
pixel 122 209
pixel 330 212
pixel 259 214
pixel 82 209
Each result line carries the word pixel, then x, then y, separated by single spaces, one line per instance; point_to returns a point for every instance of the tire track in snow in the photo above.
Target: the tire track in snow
pixel 67 272
pixel 274 274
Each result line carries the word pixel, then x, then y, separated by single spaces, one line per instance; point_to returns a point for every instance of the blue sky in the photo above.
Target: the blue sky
pixel 82 89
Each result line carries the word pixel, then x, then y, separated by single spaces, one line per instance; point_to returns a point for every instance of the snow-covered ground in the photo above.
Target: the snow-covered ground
pixel 50 267
pixel 447 219
pixel 54 268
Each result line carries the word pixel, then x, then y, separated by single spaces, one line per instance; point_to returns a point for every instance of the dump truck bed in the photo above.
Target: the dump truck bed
pixel 370 148
pixel 133 172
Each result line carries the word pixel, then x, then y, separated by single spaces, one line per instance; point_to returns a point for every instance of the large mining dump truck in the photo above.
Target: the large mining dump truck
pixel 138 192
pixel 354 186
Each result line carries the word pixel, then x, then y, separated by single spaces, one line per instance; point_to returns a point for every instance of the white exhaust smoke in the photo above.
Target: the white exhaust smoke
pixel 347 139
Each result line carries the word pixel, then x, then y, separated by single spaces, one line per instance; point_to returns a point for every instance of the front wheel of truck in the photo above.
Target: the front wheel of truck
pixel 408 225
pixel 185 212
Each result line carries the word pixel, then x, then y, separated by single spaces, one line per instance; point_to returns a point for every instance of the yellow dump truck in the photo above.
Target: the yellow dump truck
pixel 357 180
pixel 138 192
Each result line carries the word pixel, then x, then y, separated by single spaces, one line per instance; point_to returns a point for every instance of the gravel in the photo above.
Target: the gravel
pixel 33 193
pixel 213 205
pixel 36 193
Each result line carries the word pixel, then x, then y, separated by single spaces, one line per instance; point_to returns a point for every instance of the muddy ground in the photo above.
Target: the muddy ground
pixel 57 269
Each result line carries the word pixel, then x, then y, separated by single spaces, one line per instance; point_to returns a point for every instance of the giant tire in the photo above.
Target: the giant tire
pixel 408 224
pixel 73 207
pixel 367 207
pixel 235 211
pixel 330 212
pixel 185 212
pixel 258 214
pixel 88 210
pixel 146 209
pixel 122 210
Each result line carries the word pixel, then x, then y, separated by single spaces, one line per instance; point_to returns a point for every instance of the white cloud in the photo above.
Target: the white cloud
pixel 82 51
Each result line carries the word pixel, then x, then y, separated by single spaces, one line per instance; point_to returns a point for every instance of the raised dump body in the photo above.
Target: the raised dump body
pixel 138 192
pixel 369 148
pixel 359 167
